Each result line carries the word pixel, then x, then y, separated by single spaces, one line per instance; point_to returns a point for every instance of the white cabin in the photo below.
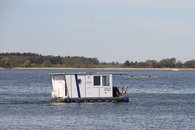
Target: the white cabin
pixel 82 85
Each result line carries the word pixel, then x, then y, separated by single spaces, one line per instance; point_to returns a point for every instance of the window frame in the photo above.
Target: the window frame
pixel 94 80
pixel 104 81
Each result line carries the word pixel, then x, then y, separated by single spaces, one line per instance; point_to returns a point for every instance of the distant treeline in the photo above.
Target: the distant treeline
pixel 164 63
pixel 10 60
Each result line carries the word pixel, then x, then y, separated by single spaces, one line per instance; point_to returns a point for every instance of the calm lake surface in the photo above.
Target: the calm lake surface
pixel 163 103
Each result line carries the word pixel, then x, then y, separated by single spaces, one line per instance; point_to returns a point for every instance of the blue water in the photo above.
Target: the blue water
pixel 163 103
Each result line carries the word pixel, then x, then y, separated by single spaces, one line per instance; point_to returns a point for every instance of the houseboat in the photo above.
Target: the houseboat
pixel 86 87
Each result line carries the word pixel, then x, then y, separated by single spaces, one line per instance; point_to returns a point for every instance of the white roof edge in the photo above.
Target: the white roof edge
pixel 91 73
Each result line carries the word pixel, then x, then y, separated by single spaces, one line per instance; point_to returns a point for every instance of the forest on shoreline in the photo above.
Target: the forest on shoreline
pixel 16 59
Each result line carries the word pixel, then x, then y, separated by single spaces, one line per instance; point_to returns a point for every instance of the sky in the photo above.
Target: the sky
pixel 110 30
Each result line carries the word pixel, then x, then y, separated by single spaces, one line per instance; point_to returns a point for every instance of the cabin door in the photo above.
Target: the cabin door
pixel 59 85
pixel 106 88
pixel 91 90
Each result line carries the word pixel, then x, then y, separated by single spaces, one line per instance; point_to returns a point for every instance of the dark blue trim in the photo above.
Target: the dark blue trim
pixel 77 84
pixel 68 100
pixel 126 98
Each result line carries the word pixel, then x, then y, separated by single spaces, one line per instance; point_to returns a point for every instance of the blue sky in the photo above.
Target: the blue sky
pixel 111 30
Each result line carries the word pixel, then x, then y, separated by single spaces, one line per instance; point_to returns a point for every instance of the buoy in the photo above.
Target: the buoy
pixel 68 100
pixel 100 100
pixel 78 101
pixel 92 100
pixel 114 101
pixel 125 98
pixel 85 101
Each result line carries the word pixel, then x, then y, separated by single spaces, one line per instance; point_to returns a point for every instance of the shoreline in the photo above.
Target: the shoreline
pixel 62 68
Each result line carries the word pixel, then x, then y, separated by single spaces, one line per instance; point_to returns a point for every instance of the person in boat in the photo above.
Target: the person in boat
pixel 124 90
pixel 116 92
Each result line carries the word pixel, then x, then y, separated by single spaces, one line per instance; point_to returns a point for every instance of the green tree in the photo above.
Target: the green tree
pixel 1 62
pixel 127 64
pixel 179 64
pixel 27 63
pixel 46 63
pixel 151 64
pixel 6 62
pixel 168 63
pixel 190 64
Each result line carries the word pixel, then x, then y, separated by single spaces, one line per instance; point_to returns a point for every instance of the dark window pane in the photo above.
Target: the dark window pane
pixel 96 80
pixel 105 81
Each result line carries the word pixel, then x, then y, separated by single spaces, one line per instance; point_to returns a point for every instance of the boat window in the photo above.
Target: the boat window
pixel 96 80
pixel 105 81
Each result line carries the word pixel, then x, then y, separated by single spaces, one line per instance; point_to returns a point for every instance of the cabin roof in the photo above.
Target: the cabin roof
pixel 91 73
